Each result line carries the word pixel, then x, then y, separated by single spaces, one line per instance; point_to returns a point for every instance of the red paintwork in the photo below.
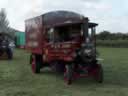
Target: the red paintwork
pixel 55 51
pixel 34 26
pixel 91 73
pixel 38 26
pixel 59 53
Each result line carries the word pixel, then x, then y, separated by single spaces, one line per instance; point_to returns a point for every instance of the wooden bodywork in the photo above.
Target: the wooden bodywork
pixel 36 32
pixel 61 41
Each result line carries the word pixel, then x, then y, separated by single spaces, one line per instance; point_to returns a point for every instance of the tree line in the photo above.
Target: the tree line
pixel 106 35
pixel 109 39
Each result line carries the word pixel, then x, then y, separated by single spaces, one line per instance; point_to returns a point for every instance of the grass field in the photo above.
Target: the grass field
pixel 16 78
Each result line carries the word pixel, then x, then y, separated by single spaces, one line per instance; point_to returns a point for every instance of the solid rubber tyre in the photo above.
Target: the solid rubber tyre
pixel 99 74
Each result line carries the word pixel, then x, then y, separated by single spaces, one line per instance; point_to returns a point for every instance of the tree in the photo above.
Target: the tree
pixel 4 23
pixel 104 35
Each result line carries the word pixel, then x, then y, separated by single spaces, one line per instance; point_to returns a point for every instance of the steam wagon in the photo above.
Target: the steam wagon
pixel 64 41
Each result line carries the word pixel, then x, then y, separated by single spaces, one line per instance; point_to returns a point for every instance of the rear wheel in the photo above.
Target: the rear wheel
pixel 35 64
pixel 99 74
pixel 30 60
pixel 68 74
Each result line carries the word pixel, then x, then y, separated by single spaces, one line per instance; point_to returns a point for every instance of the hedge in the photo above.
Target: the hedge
pixel 112 43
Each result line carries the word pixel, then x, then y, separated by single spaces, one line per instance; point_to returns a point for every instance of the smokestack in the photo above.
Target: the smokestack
pixel 85 28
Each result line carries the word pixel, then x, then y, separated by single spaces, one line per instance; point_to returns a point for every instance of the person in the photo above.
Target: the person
pixel 1 45
pixel 9 50
pixel 1 39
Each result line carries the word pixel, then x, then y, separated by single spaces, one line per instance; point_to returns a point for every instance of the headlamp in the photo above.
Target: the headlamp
pixel 87 51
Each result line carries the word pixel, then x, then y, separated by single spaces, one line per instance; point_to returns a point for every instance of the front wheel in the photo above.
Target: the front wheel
pixel 68 74
pixel 30 59
pixel 99 74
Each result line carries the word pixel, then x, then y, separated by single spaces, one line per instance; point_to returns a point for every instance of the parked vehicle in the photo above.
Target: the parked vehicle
pixel 64 41
pixel 20 39
pixel 5 48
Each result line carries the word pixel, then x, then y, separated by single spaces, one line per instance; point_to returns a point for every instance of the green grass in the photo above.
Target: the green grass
pixel 16 78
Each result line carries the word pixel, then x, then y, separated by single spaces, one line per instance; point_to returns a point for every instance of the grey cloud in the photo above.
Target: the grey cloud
pixel 91 0
pixel 100 11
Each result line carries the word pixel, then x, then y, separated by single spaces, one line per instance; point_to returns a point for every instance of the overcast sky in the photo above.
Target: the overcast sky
pixel 111 15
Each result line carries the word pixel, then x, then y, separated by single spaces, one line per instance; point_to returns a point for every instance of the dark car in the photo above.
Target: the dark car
pixel 5 50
